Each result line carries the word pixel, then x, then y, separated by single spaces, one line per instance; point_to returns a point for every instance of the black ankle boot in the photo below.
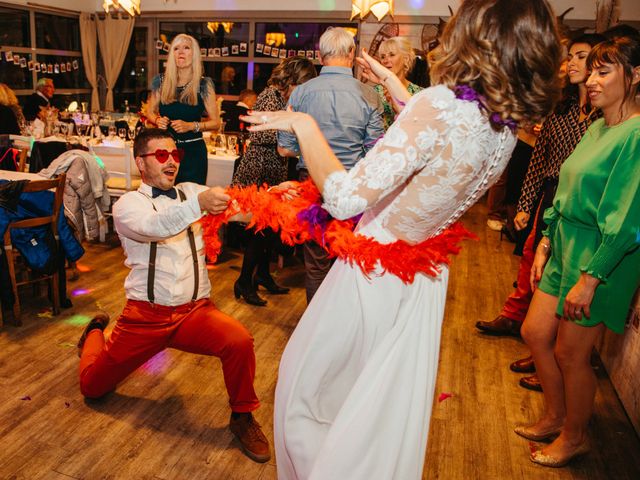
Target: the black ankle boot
pixel 249 294
pixel 269 283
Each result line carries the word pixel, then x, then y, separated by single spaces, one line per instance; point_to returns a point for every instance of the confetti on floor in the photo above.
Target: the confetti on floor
pixel 68 345
pixel 45 314
pixel 67 404
pixel 81 291
pixel 26 397
pixel 78 320
pixel 82 268
pixel 444 396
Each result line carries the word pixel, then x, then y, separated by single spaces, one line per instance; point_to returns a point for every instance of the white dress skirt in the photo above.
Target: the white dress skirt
pixel 357 378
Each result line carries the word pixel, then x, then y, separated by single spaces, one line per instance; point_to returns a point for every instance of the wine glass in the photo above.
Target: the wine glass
pixel 232 141
pixel 112 131
pixel 122 133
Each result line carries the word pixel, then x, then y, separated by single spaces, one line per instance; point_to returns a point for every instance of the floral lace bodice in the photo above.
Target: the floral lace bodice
pixel 434 162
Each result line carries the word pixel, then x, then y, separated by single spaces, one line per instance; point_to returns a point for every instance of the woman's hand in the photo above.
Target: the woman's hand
pixel 162 122
pixel 180 126
pixel 372 70
pixel 285 121
pixel 539 261
pixel 287 190
pixel 521 220
pixel 579 298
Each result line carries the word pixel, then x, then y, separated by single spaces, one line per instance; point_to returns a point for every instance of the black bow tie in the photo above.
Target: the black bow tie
pixel 171 193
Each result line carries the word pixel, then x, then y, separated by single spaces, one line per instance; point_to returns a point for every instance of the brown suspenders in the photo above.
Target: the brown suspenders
pixel 153 249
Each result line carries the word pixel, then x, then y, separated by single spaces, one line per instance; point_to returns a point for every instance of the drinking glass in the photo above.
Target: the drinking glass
pixel 232 141
pixel 112 131
pixel 122 133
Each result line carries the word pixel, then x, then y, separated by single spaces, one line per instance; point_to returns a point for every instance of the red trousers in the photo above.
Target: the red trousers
pixel 145 329
pixel 517 304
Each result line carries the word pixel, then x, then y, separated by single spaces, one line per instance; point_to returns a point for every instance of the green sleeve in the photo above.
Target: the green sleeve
pixel 619 211
pixel 550 216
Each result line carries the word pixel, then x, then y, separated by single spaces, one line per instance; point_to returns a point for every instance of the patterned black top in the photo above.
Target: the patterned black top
pixel 261 163
pixel 559 136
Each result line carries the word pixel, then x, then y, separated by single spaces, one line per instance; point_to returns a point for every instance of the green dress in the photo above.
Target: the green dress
pixel 194 165
pixel 594 223
pixel 389 113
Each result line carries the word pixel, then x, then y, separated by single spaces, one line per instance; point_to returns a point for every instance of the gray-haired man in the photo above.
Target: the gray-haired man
pixel 349 114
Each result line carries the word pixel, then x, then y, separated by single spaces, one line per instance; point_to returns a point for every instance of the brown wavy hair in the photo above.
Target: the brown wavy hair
pixel 292 71
pixel 508 51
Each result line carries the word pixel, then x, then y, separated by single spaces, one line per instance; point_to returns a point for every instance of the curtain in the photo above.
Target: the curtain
pixel 89 54
pixel 114 35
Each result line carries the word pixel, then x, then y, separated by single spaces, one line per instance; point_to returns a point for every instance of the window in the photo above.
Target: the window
pixel 295 38
pixel 57 33
pixel 15 75
pixel 133 80
pixel 216 39
pixel 14 28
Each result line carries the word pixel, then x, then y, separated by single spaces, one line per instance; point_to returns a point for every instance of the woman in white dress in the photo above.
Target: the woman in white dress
pixel 356 380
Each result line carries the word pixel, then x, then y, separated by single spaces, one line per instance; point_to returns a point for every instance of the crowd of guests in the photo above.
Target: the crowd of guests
pixel 570 285
pixel 572 186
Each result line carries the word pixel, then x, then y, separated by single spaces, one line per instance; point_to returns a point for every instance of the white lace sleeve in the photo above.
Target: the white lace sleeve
pixel 413 139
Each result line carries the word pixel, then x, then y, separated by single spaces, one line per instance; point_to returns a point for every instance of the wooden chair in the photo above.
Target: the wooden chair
pixel 22 160
pixel 12 254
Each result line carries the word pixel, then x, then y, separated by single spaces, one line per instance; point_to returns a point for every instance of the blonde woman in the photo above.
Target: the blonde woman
pixel 10 112
pixel 398 56
pixel 179 99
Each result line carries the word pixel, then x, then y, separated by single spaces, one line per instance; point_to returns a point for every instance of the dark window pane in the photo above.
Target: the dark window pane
pixel 67 79
pixel 229 78
pixel 262 72
pixel 14 28
pixel 133 79
pixel 57 33
pixel 16 76
pixel 232 36
pixel 294 37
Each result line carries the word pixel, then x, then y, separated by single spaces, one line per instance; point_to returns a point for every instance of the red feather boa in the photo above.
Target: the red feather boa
pixel 270 210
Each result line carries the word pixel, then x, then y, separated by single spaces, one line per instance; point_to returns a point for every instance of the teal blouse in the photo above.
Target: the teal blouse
pixel 389 113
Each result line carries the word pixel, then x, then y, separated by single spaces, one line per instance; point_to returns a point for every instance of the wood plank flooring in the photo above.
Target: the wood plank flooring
pixel 168 421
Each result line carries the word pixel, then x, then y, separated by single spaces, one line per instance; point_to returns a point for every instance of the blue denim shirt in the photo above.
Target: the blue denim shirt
pixel 348 112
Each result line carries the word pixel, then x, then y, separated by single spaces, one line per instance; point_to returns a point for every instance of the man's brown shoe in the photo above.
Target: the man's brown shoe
pixel 531 383
pixel 248 432
pixel 524 365
pixel 500 326
pixel 100 321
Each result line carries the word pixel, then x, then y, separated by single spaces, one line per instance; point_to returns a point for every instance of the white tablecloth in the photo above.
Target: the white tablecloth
pixel 220 169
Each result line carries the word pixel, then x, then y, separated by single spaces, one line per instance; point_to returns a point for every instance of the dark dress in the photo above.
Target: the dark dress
pixel 231 116
pixel 8 121
pixel 32 106
pixel 262 164
pixel 194 165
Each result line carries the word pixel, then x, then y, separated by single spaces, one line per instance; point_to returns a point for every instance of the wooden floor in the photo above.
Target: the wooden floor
pixel 169 419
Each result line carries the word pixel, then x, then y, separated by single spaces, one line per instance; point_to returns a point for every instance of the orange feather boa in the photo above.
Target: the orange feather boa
pixel 271 210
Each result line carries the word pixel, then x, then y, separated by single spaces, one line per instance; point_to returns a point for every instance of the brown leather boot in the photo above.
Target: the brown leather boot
pixel 248 432
pixel 100 322
pixel 524 365
pixel 531 383
pixel 500 326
